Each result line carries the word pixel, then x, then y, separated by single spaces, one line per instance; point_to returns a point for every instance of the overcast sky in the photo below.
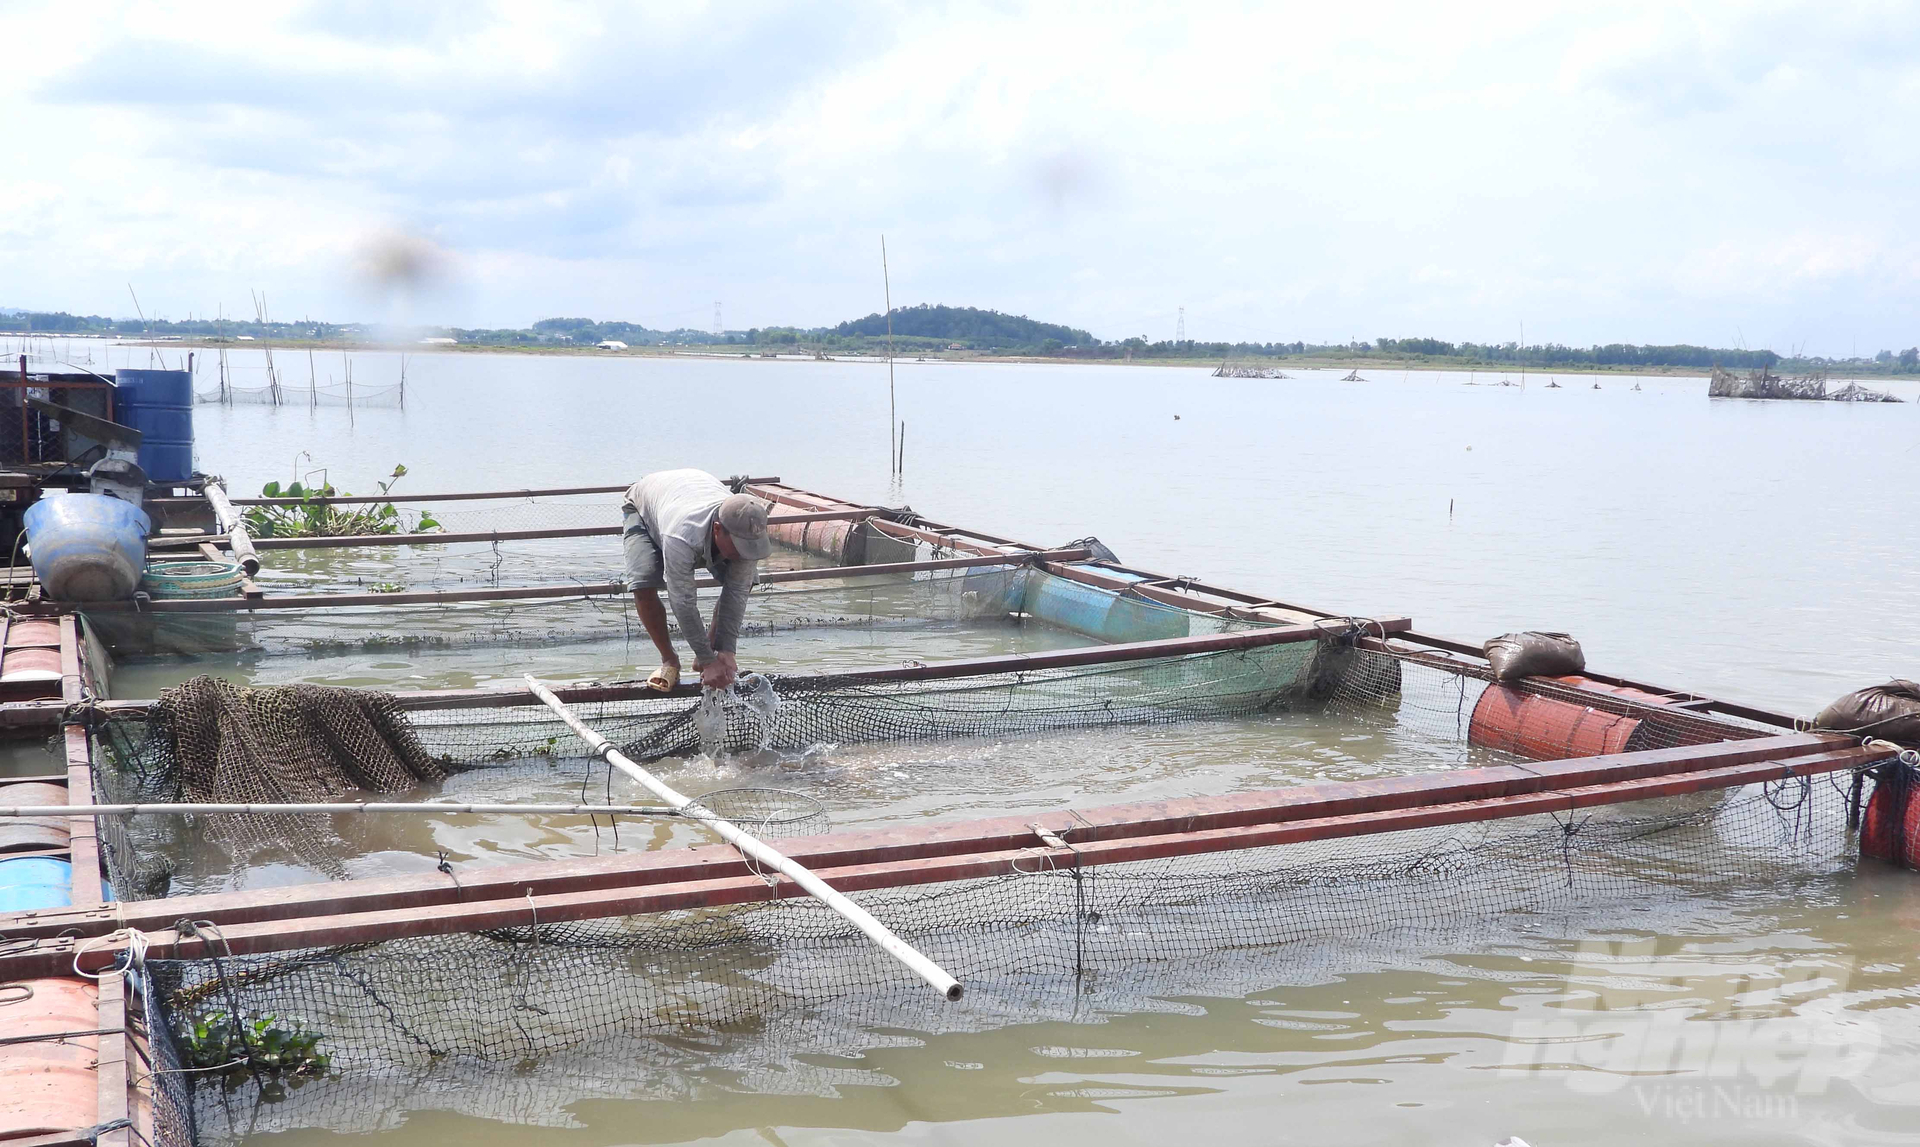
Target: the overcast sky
pixel 1720 174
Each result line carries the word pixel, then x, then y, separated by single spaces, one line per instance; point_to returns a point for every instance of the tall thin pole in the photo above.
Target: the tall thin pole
pixel 893 415
pixel 758 852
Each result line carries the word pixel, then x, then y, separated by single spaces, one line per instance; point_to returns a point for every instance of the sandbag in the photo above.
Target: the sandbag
pixel 1890 711
pixel 1534 654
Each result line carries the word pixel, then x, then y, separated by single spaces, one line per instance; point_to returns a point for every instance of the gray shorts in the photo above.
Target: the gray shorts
pixel 643 553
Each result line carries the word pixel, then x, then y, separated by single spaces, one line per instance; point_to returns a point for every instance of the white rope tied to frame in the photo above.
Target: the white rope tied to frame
pixel 136 954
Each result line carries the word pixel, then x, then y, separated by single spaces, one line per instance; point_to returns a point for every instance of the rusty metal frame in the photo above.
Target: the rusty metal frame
pixel 307 916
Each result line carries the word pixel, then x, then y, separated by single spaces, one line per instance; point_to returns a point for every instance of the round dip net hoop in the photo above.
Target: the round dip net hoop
pixel 767 813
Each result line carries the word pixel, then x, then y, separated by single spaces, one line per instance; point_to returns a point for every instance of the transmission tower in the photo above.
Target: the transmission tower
pixel 1180 330
pixel 718 330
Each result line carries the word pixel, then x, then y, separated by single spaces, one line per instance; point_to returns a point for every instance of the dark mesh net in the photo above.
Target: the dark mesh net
pixel 208 740
pixel 211 741
pixel 657 999
pixel 804 710
pixel 284 743
pixel 630 1004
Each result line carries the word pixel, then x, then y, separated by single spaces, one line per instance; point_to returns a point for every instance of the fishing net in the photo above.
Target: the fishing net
pixel 1393 713
pixel 802 711
pixel 528 514
pixel 651 1005
pixel 164 1083
pixel 333 394
pixel 508 748
pixel 208 740
pixel 601 611
pixel 284 743
pixel 631 1004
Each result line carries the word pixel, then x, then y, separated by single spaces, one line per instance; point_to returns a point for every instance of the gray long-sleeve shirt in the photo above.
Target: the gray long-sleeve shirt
pixel 679 507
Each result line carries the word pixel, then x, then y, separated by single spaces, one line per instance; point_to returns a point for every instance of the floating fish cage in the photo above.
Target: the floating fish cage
pixel 1353 787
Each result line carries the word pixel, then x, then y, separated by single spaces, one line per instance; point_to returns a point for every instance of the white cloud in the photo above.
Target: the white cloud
pixel 1613 172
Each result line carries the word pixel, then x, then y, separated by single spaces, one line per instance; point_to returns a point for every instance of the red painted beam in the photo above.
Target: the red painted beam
pixel 286 935
pixel 83 840
pixel 1229 813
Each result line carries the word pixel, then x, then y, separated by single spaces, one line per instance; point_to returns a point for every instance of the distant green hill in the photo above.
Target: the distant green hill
pixel 966 324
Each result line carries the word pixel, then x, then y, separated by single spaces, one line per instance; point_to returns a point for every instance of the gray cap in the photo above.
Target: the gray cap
pixel 744 517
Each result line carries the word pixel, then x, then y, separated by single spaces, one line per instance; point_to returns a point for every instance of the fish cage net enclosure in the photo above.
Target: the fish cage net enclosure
pixel 209 741
pixel 598 610
pixel 1051 939
pixel 640 997
pixel 330 394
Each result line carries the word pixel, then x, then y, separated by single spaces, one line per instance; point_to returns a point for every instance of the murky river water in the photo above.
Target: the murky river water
pixel 1759 551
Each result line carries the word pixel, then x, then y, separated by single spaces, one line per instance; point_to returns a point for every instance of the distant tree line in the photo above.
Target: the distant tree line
pixel 1553 354
pixel 966 325
pixel 60 322
pixel 926 328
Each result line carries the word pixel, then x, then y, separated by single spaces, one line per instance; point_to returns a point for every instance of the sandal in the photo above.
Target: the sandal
pixel 665 679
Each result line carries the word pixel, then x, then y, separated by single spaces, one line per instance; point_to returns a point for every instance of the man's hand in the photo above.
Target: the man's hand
pixel 720 672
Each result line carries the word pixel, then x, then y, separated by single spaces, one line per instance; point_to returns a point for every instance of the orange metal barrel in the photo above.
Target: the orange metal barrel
pixel 839 542
pixel 1543 729
pixel 30 664
pixel 1656 730
pixel 36 834
pixel 1890 829
pixel 33 631
pixel 48 1085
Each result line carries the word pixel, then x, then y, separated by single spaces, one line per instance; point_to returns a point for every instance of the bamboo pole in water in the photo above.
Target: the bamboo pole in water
pixel 893 413
pixel 238 539
pixel 759 853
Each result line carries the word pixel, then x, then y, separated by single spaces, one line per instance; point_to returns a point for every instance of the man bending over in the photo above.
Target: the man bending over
pixel 677 521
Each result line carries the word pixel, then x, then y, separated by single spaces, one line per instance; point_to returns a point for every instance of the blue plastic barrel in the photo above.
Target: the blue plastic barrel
pixel 87 547
pixel 1102 613
pixel 30 883
pixel 159 404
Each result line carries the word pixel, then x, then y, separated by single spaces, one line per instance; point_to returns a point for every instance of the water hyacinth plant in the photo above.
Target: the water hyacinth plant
pixel 266 1046
pixel 315 517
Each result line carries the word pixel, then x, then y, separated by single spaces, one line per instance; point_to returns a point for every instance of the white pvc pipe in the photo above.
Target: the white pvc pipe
pixel 71 810
pixel 752 847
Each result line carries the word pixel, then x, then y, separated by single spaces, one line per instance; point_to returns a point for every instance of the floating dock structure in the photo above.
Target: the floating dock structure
pixel 119 985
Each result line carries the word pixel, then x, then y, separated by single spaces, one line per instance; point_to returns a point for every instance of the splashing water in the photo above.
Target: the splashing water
pixel 753 693
pixel 710 718
pixel 757 693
